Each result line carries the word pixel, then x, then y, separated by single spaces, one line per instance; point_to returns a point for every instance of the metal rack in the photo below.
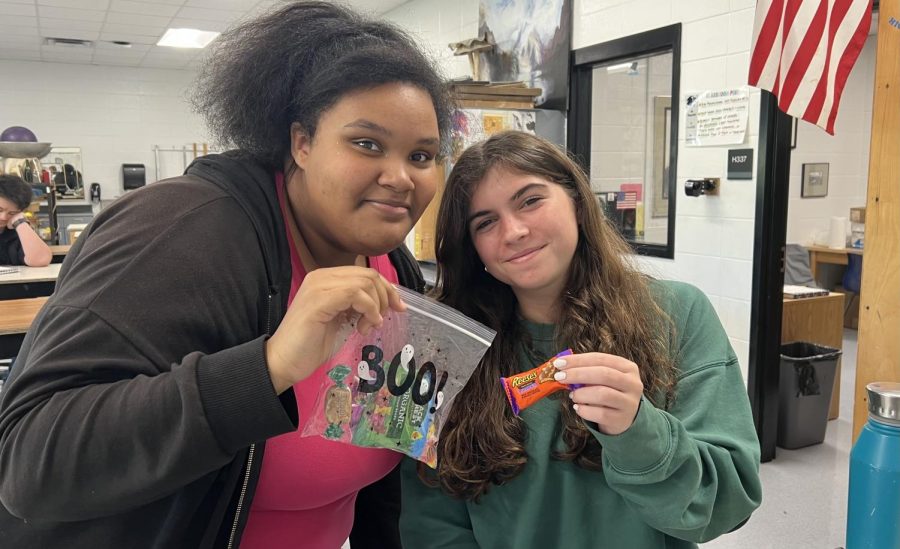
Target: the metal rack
pixel 188 154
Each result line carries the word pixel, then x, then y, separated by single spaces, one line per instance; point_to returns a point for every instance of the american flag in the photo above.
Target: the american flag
pixel 803 51
pixel 626 200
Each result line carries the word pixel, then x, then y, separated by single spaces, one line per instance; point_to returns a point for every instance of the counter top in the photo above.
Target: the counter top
pixel 24 275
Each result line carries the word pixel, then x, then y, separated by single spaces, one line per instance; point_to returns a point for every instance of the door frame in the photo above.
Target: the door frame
pixel 770 233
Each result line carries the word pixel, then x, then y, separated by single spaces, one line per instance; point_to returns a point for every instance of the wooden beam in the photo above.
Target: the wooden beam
pixel 879 314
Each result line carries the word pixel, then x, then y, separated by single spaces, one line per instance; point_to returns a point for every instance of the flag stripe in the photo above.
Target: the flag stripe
pixel 849 40
pixel 807 55
pixel 817 101
pixel 767 34
pixel 803 52
pixel 787 40
pixel 848 59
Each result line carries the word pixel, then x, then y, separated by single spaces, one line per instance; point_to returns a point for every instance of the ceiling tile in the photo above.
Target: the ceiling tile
pixel 214 26
pixel 20 21
pixel 20 42
pixel 105 47
pixel 174 53
pixel 107 55
pixel 128 37
pixel 152 62
pixel 51 12
pixel 20 55
pixel 236 5
pixel 74 53
pixel 68 24
pixel 143 8
pixel 70 33
pixel 116 61
pixel 10 30
pixel 79 4
pixel 209 15
pixel 23 23
pixel 143 20
pixel 17 9
pixel 122 28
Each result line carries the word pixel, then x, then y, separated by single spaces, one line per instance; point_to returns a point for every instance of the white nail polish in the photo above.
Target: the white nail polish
pixel 559 363
pixel 559 376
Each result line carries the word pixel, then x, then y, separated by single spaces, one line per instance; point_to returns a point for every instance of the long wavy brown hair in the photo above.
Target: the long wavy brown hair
pixel 606 306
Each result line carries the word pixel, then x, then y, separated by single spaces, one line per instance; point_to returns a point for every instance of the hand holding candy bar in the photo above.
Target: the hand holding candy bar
pixel 611 391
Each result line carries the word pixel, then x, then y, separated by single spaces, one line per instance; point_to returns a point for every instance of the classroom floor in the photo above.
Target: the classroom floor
pixel 805 491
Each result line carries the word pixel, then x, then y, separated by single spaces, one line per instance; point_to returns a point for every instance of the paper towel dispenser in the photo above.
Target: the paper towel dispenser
pixel 133 176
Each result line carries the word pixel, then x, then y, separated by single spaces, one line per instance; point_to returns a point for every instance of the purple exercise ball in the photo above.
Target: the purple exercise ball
pixel 18 134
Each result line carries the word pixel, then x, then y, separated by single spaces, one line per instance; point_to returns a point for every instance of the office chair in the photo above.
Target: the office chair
pixel 796 266
pixel 852 280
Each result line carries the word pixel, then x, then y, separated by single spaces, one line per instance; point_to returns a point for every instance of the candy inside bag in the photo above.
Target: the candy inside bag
pixel 394 388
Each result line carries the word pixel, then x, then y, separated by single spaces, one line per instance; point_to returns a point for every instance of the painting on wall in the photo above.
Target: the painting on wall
pixel 473 125
pixel 532 40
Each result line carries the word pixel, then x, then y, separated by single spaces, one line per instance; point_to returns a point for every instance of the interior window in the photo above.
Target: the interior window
pixel 624 129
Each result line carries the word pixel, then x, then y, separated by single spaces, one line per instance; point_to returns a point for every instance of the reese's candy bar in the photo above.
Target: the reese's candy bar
pixel 524 389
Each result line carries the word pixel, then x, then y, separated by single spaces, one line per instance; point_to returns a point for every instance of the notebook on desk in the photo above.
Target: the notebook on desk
pixel 799 292
pixel 6 269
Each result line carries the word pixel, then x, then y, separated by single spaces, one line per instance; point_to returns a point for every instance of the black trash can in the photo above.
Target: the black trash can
pixel 804 394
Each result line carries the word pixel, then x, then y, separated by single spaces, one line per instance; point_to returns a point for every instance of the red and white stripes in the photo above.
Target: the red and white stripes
pixel 803 51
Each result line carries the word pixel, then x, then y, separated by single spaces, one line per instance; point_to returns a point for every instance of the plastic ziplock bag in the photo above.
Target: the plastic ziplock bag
pixel 394 387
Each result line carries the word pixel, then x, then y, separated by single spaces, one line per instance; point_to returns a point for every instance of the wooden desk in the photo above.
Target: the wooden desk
pixel 29 282
pixel 832 256
pixel 59 252
pixel 16 316
pixel 817 320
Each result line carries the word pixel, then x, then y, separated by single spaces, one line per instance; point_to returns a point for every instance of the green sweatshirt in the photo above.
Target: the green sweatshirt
pixel 674 478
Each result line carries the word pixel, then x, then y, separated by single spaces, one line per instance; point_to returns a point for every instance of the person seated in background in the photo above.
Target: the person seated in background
pixel 19 244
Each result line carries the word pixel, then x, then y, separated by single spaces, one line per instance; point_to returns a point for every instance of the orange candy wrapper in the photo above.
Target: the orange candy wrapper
pixel 523 390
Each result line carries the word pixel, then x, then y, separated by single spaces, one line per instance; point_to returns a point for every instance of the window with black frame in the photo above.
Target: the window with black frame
pixel 623 127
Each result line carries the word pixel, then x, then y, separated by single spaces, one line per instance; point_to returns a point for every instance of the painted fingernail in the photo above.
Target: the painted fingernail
pixel 559 363
pixel 559 376
pixel 572 395
pixel 575 407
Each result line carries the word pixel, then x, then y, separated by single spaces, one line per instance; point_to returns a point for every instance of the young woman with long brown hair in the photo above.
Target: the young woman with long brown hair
pixel 656 448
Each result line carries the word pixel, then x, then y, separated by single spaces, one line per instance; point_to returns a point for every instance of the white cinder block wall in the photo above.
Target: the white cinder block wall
pixel 846 152
pixel 714 235
pixel 115 114
pixel 438 23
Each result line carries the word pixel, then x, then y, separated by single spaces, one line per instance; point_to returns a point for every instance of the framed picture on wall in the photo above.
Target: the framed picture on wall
pixel 815 180
pixel 662 129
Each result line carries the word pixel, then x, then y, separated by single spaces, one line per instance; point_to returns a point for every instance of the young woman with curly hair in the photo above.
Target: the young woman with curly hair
pixel 656 447
pixel 156 400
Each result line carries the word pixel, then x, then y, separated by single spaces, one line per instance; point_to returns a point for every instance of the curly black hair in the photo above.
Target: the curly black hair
pixel 16 190
pixel 293 63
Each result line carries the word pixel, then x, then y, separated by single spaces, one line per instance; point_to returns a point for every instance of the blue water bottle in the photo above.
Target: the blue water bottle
pixel 873 508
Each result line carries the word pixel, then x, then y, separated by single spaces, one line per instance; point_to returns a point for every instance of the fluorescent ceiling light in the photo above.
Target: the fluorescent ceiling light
pixel 187 38
pixel 619 68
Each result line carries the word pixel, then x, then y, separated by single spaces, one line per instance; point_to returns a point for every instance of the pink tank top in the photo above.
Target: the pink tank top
pixel 307 486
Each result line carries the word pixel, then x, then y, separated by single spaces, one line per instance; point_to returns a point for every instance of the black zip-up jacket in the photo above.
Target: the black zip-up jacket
pixel 137 410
